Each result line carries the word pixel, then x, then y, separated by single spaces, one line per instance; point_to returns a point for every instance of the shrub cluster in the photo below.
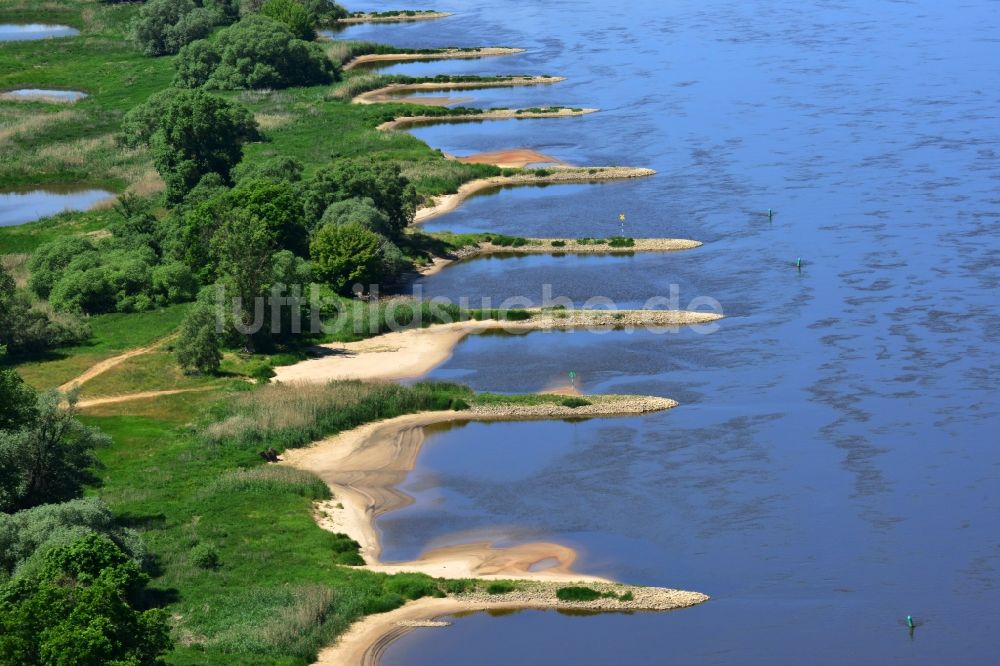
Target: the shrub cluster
pixel 258 52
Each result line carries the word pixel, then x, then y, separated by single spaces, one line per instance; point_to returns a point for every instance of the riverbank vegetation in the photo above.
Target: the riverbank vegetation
pixel 227 131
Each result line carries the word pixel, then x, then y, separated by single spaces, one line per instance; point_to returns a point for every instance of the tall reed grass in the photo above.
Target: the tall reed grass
pixel 291 415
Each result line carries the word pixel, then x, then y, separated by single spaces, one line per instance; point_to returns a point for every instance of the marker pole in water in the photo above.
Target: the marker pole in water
pixel 909 621
pixel 770 215
pixel 572 379
pixel 798 263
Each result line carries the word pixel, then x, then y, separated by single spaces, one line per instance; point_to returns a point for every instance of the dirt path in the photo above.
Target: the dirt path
pixel 101 367
pixel 113 399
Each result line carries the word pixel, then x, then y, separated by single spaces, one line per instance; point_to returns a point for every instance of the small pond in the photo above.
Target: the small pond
pixel 43 95
pixel 28 206
pixel 20 32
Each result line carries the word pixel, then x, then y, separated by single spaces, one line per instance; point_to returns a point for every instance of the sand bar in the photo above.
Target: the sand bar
pixel 449 202
pixel 492 114
pixel 447 54
pixel 414 352
pixel 569 246
pixel 391 92
pixel 395 18
pixel 513 158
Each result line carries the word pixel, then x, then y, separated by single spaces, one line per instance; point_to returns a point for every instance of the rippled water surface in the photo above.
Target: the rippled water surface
pixel 833 465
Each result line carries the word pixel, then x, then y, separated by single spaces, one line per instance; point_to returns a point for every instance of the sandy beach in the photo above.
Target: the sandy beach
pixel 448 54
pixel 363 468
pixel 414 352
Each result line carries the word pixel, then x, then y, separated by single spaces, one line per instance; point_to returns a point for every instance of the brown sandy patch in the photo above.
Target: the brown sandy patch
pixel 450 54
pixel 514 158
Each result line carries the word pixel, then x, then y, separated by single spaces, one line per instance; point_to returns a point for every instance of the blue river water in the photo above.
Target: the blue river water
pixel 834 462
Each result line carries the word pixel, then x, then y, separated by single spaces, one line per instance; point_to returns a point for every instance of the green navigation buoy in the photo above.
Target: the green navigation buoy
pixel 909 622
pixel 798 263
pixel 572 379
pixel 770 215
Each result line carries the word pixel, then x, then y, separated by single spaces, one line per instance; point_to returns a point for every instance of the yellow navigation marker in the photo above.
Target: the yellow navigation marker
pixel 621 217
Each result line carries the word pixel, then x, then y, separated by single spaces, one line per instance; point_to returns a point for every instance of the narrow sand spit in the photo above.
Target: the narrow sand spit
pixel 391 93
pixel 449 202
pixel 545 246
pixel 414 352
pixel 398 18
pixel 513 158
pixel 363 467
pixel 493 114
pixel 449 54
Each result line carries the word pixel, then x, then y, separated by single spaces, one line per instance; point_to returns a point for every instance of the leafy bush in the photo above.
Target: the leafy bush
pixel 49 459
pixel 164 26
pixel 558 243
pixel 359 210
pixel 500 587
pixel 83 606
pixel 413 586
pixel 346 551
pixel 198 134
pixel 382 184
pixel 508 241
pixel 29 327
pixel 621 241
pixel 294 15
pixel 573 403
pixel 577 594
pixel 197 348
pixel 205 556
pixel 343 256
pixel 258 52
pixel 27 535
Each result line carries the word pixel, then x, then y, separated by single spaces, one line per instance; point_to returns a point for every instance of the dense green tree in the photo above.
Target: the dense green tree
pixel 343 256
pixel 274 168
pixel 275 203
pixel 28 327
pixel 49 261
pixel 81 607
pixel 198 347
pixel 293 15
pixel 49 459
pixel 198 134
pixel 358 211
pixel 258 52
pixel 324 11
pixel 244 246
pixel 17 400
pixel 382 183
pixel 162 27
pixel 27 535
